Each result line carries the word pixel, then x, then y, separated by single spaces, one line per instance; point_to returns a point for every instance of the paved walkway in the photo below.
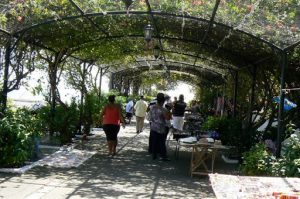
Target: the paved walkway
pixel 130 174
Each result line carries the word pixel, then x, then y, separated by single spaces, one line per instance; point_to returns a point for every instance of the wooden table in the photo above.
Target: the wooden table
pixel 201 152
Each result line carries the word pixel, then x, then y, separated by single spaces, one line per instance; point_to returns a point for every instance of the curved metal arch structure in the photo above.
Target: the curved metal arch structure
pixel 154 13
pixel 122 13
pixel 188 70
pixel 154 37
pixel 92 18
pixel 237 46
pixel 180 66
pixel 5 32
pixel 185 77
pixel 228 66
pixel 156 17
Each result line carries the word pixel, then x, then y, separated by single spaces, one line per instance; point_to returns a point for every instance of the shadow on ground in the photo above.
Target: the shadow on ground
pixel 130 174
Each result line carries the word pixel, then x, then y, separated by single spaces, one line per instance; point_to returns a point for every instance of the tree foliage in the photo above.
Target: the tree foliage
pixel 243 35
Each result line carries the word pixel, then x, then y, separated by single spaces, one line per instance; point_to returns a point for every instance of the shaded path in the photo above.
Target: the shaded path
pixel 130 174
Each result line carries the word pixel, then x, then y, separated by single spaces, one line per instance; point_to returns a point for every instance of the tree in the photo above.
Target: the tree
pixel 55 62
pixel 78 73
pixel 18 63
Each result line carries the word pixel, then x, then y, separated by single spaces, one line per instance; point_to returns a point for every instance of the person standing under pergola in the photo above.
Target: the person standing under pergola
pixel 140 109
pixel 178 114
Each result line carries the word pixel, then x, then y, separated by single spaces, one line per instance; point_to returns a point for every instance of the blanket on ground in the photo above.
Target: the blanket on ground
pixel 249 187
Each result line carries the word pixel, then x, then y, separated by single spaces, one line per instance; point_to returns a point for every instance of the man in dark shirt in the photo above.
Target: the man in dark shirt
pixel 178 113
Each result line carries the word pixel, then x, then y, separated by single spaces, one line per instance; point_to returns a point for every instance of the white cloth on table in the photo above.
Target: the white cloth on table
pixel 188 140
pixel 178 123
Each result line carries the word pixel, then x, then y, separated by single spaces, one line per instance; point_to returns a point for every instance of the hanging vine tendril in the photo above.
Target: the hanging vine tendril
pixel 128 3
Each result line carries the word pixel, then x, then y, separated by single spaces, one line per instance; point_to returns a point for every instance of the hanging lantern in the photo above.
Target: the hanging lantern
pixel 148 32
pixel 156 51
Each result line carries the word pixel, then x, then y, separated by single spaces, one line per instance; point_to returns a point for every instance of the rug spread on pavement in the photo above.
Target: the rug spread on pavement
pixel 66 158
pixel 247 187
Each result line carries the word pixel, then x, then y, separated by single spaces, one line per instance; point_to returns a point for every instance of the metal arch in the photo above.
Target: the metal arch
pixel 175 63
pixel 177 72
pixel 291 47
pixel 141 66
pixel 212 19
pixel 164 37
pixel 181 53
pixel 50 21
pixel 187 66
pixel 156 28
pixel 158 13
pixel 192 78
pixel 203 58
pixel 198 66
pixel 210 25
pixel 91 21
pixel 5 32
pixel 206 45
pixel 33 43
pixel 112 70
pixel 198 72
pixel 146 69
pixel 167 38
pixel 107 67
pixel 172 67
pixel 192 82
pixel 225 26
pixel 52 50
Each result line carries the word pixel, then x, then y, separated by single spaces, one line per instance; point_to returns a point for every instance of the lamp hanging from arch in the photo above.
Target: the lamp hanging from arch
pixel 148 30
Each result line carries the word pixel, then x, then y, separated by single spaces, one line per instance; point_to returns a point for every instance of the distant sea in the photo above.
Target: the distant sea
pixel 33 104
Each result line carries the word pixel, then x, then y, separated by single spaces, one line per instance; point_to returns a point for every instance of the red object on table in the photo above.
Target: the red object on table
pixel 280 195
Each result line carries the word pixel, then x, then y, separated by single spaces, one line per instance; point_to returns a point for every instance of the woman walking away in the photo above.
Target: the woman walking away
pixel 111 117
pixel 158 117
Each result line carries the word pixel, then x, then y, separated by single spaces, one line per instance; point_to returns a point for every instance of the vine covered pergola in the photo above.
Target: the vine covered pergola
pixel 204 41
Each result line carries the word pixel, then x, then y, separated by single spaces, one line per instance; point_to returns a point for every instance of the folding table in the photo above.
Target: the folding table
pixel 201 152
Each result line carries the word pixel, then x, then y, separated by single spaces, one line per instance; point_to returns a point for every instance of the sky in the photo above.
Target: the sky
pixel 25 93
pixel 184 89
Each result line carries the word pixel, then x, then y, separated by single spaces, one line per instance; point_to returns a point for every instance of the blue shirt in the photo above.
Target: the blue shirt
pixel 129 107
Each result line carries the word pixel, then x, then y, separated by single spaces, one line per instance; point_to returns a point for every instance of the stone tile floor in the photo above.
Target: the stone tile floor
pixel 130 174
